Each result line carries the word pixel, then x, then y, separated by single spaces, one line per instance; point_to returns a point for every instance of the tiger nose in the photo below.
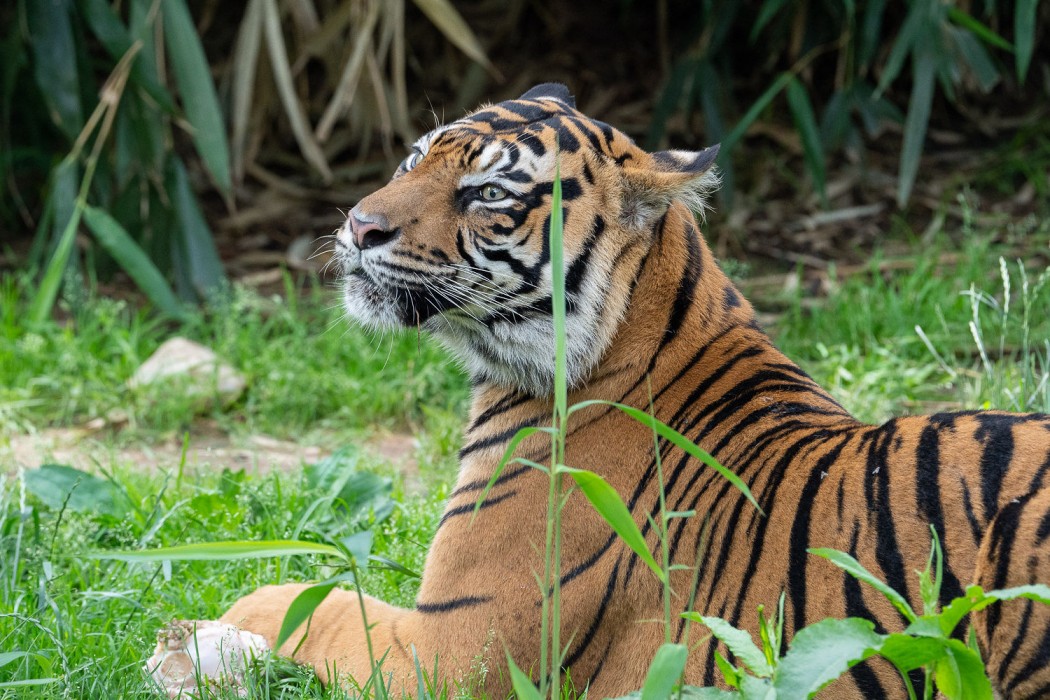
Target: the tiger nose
pixel 371 230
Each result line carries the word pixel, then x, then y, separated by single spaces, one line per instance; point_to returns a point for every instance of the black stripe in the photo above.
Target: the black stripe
pixel 1039 661
pixel 1019 638
pixel 996 434
pixel 479 484
pixel 800 541
pixel 450 605
pixel 591 561
pixel 928 502
pixel 867 682
pixel 469 507
pixel 593 629
pixel 500 437
pixel 512 399
pixel 684 297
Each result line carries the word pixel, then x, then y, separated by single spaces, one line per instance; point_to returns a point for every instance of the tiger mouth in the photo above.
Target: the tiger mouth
pixel 412 305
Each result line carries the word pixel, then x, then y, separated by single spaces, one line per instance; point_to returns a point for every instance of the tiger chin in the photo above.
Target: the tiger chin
pixel 458 244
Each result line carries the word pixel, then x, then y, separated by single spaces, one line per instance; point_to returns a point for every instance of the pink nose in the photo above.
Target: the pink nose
pixel 371 230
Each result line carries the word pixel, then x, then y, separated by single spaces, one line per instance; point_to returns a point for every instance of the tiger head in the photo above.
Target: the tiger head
pixel 458 242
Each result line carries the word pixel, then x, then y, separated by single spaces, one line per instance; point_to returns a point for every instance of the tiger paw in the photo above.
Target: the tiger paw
pixel 192 653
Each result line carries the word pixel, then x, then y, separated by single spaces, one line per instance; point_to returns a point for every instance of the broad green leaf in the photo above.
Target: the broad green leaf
pixel 908 653
pixel 665 670
pixel 301 609
pixel 676 438
pixel 976 599
pixel 609 505
pixel 359 547
pixel 557 257
pixel 924 68
pixel 1024 35
pixel 857 571
pixel 806 124
pixel 131 258
pixel 959 674
pixel 55 62
pixel 754 688
pixel 222 551
pixel 57 485
pixel 737 641
pixel 199 100
pixel 198 269
pixel 519 436
pixel 524 688
pixel 822 652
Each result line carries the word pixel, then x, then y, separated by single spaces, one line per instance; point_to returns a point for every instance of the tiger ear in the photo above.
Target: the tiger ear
pixel 650 188
pixel 553 91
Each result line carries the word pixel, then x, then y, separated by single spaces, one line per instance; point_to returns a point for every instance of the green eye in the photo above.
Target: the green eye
pixel 493 193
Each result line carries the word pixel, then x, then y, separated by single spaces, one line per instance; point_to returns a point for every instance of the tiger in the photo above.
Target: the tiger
pixel 458 244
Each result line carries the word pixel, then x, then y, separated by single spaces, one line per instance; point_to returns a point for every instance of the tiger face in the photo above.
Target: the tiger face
pixel 458 243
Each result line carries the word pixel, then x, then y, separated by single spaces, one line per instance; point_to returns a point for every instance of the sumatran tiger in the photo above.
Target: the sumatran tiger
pixel 458 244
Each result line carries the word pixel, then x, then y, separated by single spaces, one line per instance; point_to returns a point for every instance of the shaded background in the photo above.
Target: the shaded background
pixel 177 144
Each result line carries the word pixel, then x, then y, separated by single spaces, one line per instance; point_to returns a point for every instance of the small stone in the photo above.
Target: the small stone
pixel 205 374
pixel 213 652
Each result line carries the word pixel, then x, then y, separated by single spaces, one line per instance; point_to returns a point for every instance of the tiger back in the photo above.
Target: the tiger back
pixel 458 244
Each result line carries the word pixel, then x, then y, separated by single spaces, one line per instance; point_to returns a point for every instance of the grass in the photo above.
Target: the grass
pixel 89 624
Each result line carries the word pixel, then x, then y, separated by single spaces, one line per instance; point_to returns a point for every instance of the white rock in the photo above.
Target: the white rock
pixel 179 357
pixel 213 652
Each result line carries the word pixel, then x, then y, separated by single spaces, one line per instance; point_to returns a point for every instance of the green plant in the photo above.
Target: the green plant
pixel 836 75
pixel 823 651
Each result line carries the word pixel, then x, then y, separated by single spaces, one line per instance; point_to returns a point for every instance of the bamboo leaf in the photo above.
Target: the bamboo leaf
pixel 978 29
pixel 221 551
pixel 752 113
pixel 766 12
pixel 133 260
pixel 55 62
pixel 198 269
pixel 613 510
pixel 450 23
pixel 64 194
pixel 924 69
pixel 806 124
pixel 1024 35
pixel 199 100
pixel 910 36
pixel 245 60
pixel 282 75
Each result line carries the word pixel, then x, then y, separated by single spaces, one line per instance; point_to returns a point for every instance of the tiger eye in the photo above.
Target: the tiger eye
pixel 492 193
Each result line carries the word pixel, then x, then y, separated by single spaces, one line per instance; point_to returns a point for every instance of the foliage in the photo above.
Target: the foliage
pixel 836 72
pixel 824 650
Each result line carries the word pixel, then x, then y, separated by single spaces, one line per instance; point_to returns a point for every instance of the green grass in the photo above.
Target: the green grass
pixel 92 623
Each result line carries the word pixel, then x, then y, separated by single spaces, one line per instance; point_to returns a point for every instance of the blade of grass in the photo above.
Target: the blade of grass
pixel 681 441
pixel 978 28
pixel 199 100
pixel 221 551
pixel 613 510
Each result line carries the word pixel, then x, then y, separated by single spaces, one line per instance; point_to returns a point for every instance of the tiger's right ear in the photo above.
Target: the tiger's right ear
pixel 651 186
pixel 554 91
